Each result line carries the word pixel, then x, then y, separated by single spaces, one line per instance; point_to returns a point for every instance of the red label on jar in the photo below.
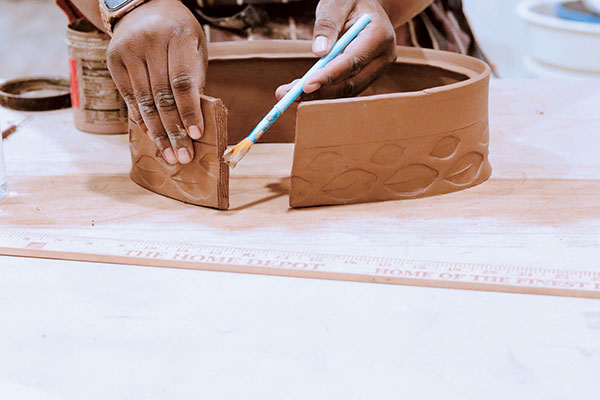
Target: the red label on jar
pixel 74 83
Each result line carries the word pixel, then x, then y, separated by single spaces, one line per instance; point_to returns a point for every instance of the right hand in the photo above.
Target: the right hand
pixel 157 58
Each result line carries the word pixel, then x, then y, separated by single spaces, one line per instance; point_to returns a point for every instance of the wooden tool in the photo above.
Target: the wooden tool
pixel 495 278
pixel 12 128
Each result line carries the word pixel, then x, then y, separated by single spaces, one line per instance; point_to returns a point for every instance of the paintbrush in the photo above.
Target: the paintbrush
pixel 234 155
pixel 12 128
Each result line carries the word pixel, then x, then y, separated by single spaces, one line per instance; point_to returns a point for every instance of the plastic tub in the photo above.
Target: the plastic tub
pixel 570 47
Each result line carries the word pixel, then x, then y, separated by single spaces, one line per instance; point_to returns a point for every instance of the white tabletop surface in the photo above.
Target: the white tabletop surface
pixel 76 330
pixel 92 331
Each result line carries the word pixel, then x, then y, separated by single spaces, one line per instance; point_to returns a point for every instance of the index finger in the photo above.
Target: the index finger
pixel 368 45
pixel 186 75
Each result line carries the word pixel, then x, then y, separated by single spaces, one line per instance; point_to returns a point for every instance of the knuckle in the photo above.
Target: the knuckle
pixel 159 141
pixel 182 82
pixel 356 65
pixel 136 117
pixel 145 33
pixel 178 138
pixel 132 106
pixel 348 88
pixel 128 97
pixel 164 99
pixel 329 80
pixel 390 38
pixel 326 23
pixel 146 104
pixel 123 47
pixel 176 135
pixel 134 114
pixel 188 114
pixel 187 33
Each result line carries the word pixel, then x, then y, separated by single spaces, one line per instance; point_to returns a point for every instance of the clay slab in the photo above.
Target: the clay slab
pixel 204 181
pixel 429 141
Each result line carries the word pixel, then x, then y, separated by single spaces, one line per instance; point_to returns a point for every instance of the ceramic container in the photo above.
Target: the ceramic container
pixel 557 46
pixel 97 104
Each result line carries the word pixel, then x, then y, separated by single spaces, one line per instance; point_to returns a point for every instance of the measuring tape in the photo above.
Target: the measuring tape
pixel 303 264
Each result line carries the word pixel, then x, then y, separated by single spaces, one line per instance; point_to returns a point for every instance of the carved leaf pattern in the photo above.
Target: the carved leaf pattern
pixel 208 160
pixel 465 170
pixel 350 184
pixel 411 180
pixel 194 183
pixel 300 188
pixel 150 171
pixel 388 155
pixel 324 161
pixel 445 147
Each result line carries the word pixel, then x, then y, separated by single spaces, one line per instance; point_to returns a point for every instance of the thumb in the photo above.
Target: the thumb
pixel 330 19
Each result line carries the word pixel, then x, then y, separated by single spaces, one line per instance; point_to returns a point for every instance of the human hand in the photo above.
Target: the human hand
pixel 157 58
pixel 362 61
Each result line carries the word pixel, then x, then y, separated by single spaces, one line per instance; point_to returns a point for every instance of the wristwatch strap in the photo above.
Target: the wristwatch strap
pixel 110 18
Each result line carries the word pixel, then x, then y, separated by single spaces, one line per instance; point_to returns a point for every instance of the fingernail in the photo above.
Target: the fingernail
pixel 320 44
pixel 312 87
pixel 281 91
pixel 195 132
pixel 170 156
pixel 184 156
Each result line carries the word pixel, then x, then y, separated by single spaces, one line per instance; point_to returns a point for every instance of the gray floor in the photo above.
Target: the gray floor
pixel 32 38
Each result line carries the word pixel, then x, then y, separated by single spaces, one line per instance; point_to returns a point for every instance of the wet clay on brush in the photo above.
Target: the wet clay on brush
pixel 421 129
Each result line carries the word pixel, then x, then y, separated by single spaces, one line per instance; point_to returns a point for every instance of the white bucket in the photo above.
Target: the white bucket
pixel 593 5
pixel 569 48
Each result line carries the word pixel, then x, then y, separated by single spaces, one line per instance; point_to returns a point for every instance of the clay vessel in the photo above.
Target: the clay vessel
pixel 421 129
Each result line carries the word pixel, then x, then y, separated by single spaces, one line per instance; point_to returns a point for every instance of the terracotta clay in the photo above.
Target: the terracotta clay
pixel 246 75
pixel 431 141
pixel 204 181
pixel 421 129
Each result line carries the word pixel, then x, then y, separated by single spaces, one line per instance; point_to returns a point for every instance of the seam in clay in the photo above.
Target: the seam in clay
pixel 481 121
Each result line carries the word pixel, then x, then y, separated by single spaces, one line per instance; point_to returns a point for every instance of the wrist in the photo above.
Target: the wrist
pixel 112 11
pixel 400 12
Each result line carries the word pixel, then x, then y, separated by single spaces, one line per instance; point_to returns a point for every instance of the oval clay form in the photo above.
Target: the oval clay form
pixel 420 129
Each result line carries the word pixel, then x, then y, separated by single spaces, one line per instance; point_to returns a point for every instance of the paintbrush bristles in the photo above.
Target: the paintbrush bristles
pixel 235 154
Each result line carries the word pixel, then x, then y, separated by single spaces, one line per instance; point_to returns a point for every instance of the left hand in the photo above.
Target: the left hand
pixel 361 62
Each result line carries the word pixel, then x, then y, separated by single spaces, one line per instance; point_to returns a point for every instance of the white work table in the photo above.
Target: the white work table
pixel 79 330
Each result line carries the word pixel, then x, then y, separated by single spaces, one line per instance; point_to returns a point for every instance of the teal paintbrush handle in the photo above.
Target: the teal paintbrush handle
pixel 296 90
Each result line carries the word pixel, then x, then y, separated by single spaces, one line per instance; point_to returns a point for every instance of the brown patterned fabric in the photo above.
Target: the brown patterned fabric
pixel 443 25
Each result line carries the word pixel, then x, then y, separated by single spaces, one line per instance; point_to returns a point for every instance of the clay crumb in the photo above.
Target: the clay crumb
pixel 539 112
